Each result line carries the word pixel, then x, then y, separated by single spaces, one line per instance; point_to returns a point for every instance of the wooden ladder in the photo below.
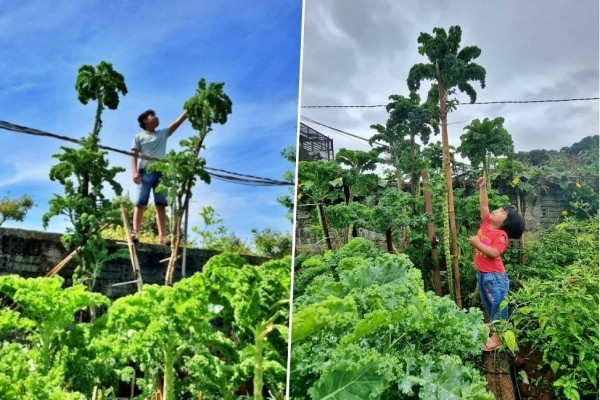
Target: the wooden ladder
pixel 137 273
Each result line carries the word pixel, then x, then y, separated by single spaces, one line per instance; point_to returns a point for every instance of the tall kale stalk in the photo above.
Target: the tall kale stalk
pixel 449 69
pixel 181 169
pixel 84 173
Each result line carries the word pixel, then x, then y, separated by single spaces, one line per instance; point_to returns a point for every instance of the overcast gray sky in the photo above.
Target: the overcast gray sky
pixel 358 52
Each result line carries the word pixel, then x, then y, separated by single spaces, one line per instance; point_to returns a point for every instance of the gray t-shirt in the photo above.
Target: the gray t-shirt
pixel 150 145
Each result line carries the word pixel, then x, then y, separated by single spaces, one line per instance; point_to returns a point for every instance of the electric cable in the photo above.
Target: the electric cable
pixel 461 104
pixel 351 134
pixel 228 176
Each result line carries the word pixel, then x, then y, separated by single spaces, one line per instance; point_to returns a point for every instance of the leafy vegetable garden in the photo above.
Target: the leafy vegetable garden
pixel 220 334
pixel 366 321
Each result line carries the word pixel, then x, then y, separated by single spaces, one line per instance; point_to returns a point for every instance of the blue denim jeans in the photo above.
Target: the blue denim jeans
pixel 493 288
pixel 150 181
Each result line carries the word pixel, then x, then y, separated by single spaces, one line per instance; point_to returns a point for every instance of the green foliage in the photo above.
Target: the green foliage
pixel 154 328
pixel 14 209
pixel 149 230
pixel 456 67
pixel 356 178
pixel 315 180
pixel 467 208
pixel 181 170
pixel 35 357
pixel 85 172
pixel 558 246
pixel 391 139
pixel 287 201
pixel 214 235
pixel 101 84
pixel 207 335
pixel 433 155
pixel 483 139
pixel 254 303
pixel 272 243
pixel 209 106
pixel 556 304
pixel 368 330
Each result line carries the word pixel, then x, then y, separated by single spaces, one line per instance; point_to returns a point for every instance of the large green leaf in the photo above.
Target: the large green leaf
pixel 315 316
pixel 383 270
pixel 347 380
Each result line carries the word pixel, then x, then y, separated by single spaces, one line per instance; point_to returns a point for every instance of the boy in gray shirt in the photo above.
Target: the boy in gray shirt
pixel 150 143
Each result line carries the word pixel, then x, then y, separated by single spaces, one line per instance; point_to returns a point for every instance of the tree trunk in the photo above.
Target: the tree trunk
pixel 451 216
pixel 324 226
pixel 170 275
pixel 351 229
pixel 389 241
pixel 437 280
pixel 398 173
pixel 413 178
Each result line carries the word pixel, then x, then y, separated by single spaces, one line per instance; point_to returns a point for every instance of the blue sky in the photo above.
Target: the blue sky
pixel 162 48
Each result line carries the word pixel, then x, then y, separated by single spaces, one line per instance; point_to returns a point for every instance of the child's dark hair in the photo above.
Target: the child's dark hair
pixel 514 224
pixel 143 116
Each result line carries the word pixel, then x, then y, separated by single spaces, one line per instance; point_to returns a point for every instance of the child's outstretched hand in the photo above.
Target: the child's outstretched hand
pixel 481 181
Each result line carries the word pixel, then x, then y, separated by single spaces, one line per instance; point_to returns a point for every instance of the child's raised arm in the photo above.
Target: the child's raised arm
pixel 484 208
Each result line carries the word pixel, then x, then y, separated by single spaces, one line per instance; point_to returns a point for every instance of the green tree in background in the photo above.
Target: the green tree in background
pixel 315 179
pixel 272 243
pixel 14 209
pixel 287 200
pixel 214 235
pixel 450 69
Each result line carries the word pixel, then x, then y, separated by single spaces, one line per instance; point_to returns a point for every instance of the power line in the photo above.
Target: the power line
pixel 334 129
pixel 220 174
pixel 462 104
pixel 350 134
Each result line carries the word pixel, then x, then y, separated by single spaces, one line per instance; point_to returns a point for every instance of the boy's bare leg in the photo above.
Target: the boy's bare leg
pixel 138 214
pixel 161 221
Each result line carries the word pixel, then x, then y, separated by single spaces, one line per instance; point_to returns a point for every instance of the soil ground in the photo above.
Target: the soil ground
pixel 539 386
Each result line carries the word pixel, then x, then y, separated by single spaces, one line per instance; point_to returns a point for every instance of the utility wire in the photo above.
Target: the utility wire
pixel 221 174
pixel 350 134
pixel 335 129
pixel 462 104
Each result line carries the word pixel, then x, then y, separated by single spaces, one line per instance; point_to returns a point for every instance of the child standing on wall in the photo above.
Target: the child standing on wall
pixel 489 243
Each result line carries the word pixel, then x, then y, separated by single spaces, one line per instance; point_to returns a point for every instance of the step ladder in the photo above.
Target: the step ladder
pixel 137 273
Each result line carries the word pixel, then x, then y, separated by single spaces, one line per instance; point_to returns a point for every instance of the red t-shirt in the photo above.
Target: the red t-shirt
pixel 492 238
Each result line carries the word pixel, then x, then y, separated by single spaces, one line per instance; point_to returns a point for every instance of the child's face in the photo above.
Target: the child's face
pixel 151 122
pixel 498 216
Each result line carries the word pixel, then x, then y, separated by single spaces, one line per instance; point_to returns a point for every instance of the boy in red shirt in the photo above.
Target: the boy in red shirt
pixel 489 244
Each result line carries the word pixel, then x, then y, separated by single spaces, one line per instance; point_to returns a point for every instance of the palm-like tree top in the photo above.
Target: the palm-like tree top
pixel 456 66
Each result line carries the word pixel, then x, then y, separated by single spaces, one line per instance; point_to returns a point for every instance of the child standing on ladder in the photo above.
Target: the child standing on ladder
pixel 489 243
pixel 150 143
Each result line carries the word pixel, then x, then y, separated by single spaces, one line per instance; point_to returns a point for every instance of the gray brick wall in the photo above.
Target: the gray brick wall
pixel 34 253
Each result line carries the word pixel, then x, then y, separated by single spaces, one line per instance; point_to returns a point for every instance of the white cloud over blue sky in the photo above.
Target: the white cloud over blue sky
pixel 162 48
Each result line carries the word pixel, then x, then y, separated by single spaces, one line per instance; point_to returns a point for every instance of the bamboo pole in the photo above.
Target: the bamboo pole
pixel 448 173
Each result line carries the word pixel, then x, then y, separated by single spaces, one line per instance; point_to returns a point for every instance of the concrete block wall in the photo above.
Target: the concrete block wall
pixel 34 253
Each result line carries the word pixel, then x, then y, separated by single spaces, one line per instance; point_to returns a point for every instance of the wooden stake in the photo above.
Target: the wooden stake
pixel 132 253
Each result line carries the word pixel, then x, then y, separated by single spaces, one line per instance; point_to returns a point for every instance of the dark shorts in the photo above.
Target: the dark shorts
pixel 150 181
